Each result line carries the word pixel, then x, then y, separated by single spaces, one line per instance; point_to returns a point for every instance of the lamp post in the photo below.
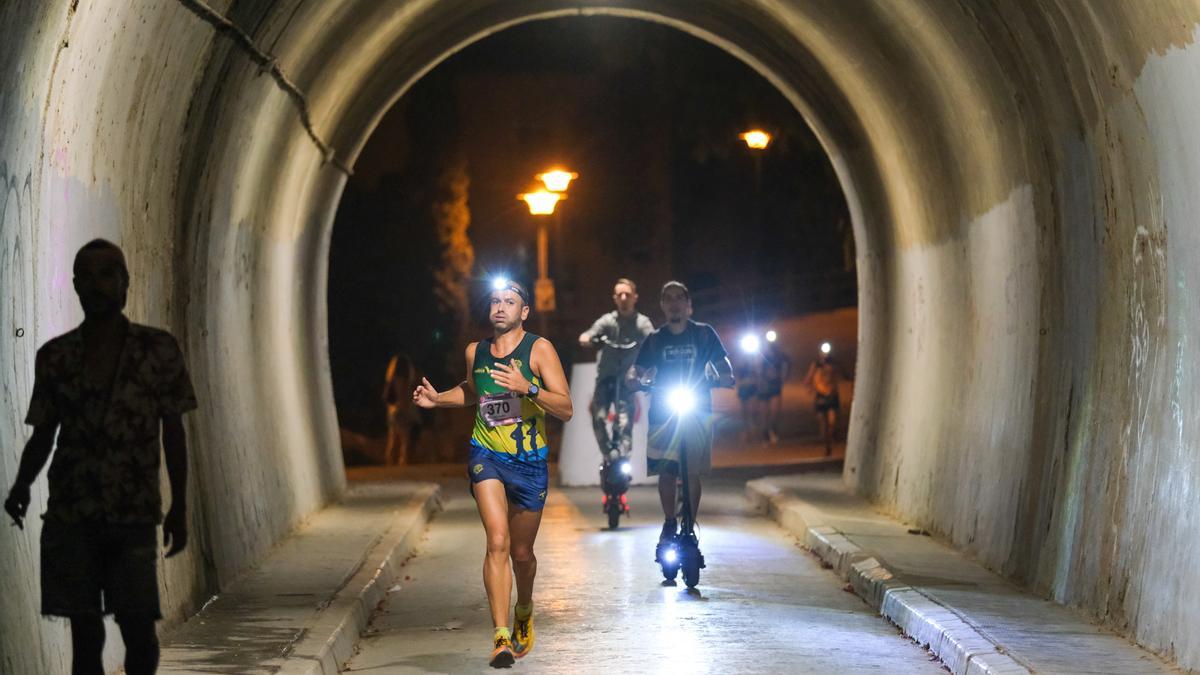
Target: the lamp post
pixel 757 141
pixel 541 203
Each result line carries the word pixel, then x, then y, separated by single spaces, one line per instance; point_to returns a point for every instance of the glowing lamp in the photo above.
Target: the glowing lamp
pixel 557 180
pixel 670 555
pixel 826 347
pixel 499 283
pixel 756 139
pixel 750 344
pixel 772 336
pixel 542 202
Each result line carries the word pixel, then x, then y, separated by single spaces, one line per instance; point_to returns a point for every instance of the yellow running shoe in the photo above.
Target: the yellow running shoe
pixel 502 655
pixel 523 636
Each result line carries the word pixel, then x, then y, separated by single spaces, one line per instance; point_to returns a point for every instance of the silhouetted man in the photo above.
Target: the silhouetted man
pixel 106 388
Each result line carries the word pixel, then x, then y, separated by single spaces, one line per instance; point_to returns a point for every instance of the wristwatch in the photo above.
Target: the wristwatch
pixel 533 390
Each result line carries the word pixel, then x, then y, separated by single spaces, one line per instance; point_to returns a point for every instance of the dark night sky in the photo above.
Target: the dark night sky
pixel 648 116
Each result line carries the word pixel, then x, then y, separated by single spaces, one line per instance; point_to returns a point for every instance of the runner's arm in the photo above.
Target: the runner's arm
pixel 459 396
pixel 553 396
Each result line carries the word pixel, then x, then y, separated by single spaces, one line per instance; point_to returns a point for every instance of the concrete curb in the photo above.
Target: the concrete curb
pixel 330 642
pixel 963 649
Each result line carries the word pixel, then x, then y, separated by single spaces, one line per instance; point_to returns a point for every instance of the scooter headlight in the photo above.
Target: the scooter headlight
pixel 681 400
pixel 626 468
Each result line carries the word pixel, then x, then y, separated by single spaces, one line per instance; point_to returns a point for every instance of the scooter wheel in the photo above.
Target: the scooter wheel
pixel 614 514
pixel 670 572
pixel 691 572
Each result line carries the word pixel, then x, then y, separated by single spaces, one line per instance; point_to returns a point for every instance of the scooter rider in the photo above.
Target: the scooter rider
pixel 679 354
pixel 624 326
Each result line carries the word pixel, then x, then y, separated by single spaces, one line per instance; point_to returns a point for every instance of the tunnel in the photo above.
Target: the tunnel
pixel 1019 174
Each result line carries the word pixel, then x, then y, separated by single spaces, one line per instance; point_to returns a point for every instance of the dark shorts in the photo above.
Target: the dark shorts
pixel 99 569
pixel 822 403
pixel 770 390
pixel 665 443
pixel 747 392
pixel 525 483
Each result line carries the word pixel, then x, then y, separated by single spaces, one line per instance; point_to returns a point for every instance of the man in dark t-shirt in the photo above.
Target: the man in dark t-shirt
pixel 682 353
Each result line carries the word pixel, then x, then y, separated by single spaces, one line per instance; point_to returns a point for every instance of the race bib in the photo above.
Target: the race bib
pixel 500 409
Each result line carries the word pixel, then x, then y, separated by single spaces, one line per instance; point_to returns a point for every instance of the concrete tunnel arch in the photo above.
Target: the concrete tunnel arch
pixel 1021 184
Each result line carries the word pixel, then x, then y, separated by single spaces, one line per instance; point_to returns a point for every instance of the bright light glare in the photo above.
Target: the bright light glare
pixel 772 336
pixel 681 400
pixel 557 180
pixel 626 468
pixel 750 344
pixel 670 555
pixel 499 283
pixel 826 347
pixel 542 202
pixel 756 139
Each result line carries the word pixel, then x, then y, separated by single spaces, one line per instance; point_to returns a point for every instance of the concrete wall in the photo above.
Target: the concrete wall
pixel 1021 176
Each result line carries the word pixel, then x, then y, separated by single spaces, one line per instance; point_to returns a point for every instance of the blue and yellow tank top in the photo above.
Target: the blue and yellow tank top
pixel 507 423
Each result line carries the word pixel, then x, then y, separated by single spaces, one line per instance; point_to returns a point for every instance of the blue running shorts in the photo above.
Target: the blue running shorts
pixel 525 483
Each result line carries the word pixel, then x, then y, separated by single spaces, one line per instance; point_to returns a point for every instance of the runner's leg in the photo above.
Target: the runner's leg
pixel 497 567
pixel 523 528
pixel 141 643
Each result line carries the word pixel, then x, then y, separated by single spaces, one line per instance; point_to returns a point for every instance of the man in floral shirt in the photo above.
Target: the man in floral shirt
pixel 106 388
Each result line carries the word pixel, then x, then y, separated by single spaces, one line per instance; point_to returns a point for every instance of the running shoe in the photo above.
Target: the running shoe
pixel 523 636
pixel 502 655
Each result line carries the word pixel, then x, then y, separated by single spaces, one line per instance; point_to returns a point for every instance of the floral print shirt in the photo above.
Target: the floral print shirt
pixel 108 451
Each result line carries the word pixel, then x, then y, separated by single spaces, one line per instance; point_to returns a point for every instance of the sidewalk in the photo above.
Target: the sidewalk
pixel 302 610
pixel 973 620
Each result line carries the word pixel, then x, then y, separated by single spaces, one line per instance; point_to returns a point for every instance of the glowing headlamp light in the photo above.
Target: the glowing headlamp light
pixel 750 344
pixel 670 555
pixel 826 347
pixel 500 283
pixel 626 468
pixel 772 336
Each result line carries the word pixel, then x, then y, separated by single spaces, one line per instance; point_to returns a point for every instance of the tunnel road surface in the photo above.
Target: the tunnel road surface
pixel 763 605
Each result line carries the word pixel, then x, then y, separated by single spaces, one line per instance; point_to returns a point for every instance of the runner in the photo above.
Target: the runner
pixel 822 380
pixel 515 378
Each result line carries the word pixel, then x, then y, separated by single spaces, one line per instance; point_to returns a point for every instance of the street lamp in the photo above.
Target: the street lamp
pixel 541 202
pixel 756 139
pixel 557 180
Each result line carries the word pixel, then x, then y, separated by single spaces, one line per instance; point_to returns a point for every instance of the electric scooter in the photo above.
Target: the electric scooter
pixel 616 472
pixel 681 552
